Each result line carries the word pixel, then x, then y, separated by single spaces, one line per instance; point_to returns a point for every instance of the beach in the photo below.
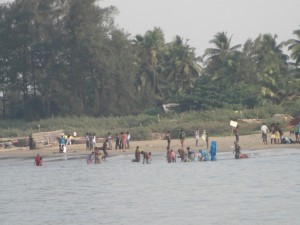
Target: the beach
pixel 224 144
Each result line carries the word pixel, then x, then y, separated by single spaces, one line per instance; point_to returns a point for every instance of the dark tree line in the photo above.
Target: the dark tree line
pixel 67 57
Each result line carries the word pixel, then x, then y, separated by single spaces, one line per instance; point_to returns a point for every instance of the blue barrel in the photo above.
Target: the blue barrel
pixel 213 150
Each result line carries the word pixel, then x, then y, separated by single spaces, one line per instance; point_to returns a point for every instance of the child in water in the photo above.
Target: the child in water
pixel 90 159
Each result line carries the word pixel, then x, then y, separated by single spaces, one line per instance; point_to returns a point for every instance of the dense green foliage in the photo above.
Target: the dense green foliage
pixel 67 58
pixel 143 126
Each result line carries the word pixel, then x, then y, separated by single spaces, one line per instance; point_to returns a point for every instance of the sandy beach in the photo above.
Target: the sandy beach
pixel 224 144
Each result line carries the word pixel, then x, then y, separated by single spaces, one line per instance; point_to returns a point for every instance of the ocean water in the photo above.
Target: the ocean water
pixel 263 189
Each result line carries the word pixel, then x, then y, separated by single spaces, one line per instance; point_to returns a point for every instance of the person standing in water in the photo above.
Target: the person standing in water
pixel 137 154
pixel 98 157
pixel 90 159
pixel 38 160
pixel 146 157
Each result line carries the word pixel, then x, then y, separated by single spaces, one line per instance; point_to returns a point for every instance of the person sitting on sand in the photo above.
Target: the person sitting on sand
pixel 38 160
pixel 146 157
pixel 204 156
pixel 237 150
pixel 286 140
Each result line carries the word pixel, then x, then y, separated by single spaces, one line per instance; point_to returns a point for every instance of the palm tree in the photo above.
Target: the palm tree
pixel 182 67
pixel 223 48
pixel 221 61
pixel 149 59
pixel 267 52
pixel 272 69
pixel 294 46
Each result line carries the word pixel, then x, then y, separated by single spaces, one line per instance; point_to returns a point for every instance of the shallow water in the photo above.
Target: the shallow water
pixel 264 189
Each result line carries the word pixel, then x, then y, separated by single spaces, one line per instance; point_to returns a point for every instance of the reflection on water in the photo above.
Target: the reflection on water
pixel 264 189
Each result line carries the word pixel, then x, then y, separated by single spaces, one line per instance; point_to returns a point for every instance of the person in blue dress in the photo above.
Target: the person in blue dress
pixel 213 150
pixel 204 156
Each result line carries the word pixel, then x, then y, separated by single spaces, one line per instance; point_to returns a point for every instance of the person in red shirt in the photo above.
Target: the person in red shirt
pixel 38 160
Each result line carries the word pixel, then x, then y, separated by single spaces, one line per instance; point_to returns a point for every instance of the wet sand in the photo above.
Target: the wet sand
pixel 224 144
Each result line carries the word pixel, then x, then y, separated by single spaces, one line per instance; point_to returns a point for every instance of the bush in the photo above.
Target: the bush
pixel 215 122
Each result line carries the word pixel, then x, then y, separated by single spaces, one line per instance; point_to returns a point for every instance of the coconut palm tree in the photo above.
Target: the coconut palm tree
pixel 182 66
pixel 149 59
pixel 294 47
pixel 221 61
pixel 223 47
pixel 272 69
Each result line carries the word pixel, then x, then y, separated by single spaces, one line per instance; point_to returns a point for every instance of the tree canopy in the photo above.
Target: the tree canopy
pixel 67 57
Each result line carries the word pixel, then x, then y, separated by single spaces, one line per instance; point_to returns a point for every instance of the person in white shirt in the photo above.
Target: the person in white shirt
pixel 197 136
pixel 128 140
pixel 264 130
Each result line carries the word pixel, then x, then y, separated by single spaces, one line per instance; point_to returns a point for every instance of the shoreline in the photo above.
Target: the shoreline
pixel 224 144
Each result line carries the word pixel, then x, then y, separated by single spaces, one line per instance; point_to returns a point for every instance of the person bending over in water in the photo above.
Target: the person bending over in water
pixel 204 156
pixel 237 150
pixel 38 160
pixel 146 157
pixel 191 154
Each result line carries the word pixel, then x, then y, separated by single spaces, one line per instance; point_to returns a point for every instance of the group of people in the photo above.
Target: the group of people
pixel 189 155
pixel 122 140
pixel 147 156
pixel 277 136
pixel 95 157
pixel 182 137
pixel 90 141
